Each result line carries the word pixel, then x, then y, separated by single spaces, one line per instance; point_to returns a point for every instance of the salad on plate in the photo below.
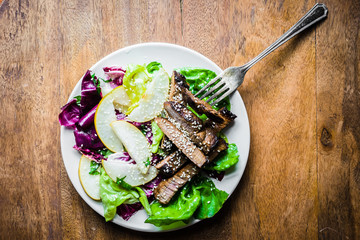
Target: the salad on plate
pixel 148 143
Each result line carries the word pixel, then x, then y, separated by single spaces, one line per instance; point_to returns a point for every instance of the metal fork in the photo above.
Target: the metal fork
pixel 231 78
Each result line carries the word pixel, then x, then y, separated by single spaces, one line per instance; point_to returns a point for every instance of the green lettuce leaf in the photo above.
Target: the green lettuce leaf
pixel 153 67
pixel 198 78
pixel 135 81
pixel 144 200
pixel 181 208
pixel 113 195
pixel 157 136
pixel 199 198
pixel 225 160
pixel 212 199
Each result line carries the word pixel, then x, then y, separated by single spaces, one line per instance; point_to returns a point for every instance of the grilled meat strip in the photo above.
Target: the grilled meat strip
pixel 177 82
pixel 189 124
pixel 173 162
pixel 183 116
pixel 182 142
pixel 167 188
pixel 218 119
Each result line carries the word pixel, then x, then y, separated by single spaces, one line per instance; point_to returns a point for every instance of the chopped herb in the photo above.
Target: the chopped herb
pixel 202 117
pixel 94 166
pixel 147 162
pixel 96 82
pixel 106 81
pixel 106 153
pixel 78 99
pixel 123 184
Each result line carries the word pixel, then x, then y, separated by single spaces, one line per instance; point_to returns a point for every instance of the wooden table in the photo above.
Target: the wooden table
pixel 303 101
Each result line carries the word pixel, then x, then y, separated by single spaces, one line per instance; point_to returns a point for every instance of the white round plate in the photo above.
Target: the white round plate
pixel 170 56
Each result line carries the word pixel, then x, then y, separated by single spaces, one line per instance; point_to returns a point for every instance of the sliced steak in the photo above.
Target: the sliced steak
pixel 167 188
pixel 166 145
pixel 182 142
pixel 183 116
pixel 218 120
pixel 220 146
pixel 178 81
pixel 172 163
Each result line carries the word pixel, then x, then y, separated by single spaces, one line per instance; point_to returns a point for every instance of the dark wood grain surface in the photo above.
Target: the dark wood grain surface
pixel 302 180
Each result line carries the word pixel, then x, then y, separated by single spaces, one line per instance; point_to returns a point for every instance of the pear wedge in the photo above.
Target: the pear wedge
pixel 90 183
pixel 152 102
pixel 135 143
pixel 119 169
pixel 105 114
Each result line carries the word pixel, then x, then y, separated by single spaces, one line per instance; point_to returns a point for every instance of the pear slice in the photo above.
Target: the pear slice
pixel 152 102
pixel 135 143
pixel 119 169
pixel 105 114
pixel 90 183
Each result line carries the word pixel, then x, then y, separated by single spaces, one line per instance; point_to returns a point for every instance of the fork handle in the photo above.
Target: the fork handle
pixel 317 13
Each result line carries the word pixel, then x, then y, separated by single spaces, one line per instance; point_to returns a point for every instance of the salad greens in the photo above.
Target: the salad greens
pixel 153 67
pixel 94 166
pixel 199 198
pixel 225 160
pixel 157 136
pixel 136 79
pixel 113 195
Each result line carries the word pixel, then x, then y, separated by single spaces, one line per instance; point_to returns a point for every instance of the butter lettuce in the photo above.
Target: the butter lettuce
pixel 199 198
pixel 181 207
pixel 212 199
pixel 157 136
pixel 198 78
pixel 135 81
pixel 153 67
pixel 225 160
pixel 113 195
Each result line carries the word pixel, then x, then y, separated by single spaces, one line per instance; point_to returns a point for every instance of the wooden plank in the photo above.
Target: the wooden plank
pixel 278 195
pixel 29 136
pixel 338 117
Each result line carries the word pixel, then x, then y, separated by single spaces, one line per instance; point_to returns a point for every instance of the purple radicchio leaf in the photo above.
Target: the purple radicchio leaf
pixel 87 138
pixel 90 153
pixel 215 174
pixel 127 210
pixel 88 119
pixel 116 74
pixel 149 187
pixel 89 93
pixel 122 156
pixel 70 114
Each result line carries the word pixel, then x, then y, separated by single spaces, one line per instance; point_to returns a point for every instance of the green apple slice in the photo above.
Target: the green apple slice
pixel 90 183
pixel 120 169
pixel 105 114
pixel 152 102
pixel 135 143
